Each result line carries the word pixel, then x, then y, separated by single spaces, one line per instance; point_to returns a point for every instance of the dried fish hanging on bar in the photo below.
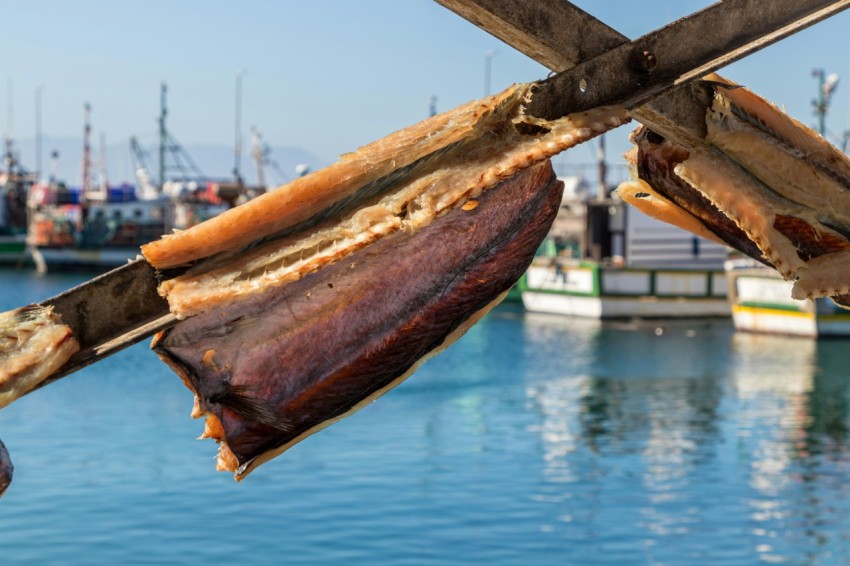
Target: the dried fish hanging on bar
pixel 765 184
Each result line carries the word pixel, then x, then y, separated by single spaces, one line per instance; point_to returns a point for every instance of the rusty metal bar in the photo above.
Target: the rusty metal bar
pixel 531 27
pixel 92 311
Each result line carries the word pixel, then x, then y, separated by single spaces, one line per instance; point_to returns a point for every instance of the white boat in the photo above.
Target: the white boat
pixel 761 302
pixel 592 289
pixel 615 262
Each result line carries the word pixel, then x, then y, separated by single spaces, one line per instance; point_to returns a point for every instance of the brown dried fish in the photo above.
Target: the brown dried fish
pixel 272 368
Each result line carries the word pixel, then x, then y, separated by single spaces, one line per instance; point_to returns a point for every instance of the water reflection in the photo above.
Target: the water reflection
pixel 642 388
pixel 792 402
pixel 646 420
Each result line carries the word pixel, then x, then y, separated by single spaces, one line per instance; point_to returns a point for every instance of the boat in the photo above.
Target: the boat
pixel 609 261
pixel 15 184
pixel 761 302
pixel 99 226
pixel 71 228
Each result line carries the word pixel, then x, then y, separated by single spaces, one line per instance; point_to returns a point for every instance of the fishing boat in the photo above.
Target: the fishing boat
pixel 100 226
pixel 606 260
pixel 75 228
pixel 761 302
pixel 15 185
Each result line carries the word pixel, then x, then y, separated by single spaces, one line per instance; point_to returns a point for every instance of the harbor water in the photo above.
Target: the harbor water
pixel 533 440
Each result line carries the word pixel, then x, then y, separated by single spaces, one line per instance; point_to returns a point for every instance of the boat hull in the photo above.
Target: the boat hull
pixel 47 259
pixel 593 290
pixel 13 250
pixel 761 302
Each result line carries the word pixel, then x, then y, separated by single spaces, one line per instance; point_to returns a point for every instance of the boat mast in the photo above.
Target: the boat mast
pixel 163 136
pixel 237 141
pixel 38 171
pixel 9 156
pixel 86 149
pixel 104 175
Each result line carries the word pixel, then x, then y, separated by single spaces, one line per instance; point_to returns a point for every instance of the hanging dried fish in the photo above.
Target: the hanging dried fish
pixel 765 184
pixel 273 368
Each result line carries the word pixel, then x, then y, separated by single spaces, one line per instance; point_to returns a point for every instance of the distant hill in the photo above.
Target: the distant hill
pixel 213 160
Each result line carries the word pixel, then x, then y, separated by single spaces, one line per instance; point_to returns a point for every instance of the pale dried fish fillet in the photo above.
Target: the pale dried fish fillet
pixel 653 161
pixel 33 344
pixel 789 157
pixel 484 143
pixel 306 197
pixel 746 201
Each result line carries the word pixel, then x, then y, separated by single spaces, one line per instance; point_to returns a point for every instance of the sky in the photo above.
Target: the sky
pixel 325 75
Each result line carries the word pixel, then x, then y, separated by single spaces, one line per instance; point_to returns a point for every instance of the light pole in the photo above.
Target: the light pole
pixel 488 63
pixel 237 142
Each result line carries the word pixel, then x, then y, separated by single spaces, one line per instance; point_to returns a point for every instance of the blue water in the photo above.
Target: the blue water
pixel 534 440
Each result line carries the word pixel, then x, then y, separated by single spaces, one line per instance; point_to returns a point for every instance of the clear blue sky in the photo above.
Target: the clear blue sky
pixel 328 75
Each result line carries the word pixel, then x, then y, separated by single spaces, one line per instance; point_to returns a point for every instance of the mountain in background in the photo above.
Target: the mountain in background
pixel 215 161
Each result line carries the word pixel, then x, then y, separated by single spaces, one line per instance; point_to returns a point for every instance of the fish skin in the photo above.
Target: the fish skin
pixel 289 361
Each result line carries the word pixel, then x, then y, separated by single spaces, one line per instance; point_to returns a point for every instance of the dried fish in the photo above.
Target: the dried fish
pixel 272 368
pixel 33 344
pixel 765 184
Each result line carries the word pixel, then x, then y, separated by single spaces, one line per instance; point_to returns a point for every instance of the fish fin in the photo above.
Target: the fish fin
pixel 238 399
